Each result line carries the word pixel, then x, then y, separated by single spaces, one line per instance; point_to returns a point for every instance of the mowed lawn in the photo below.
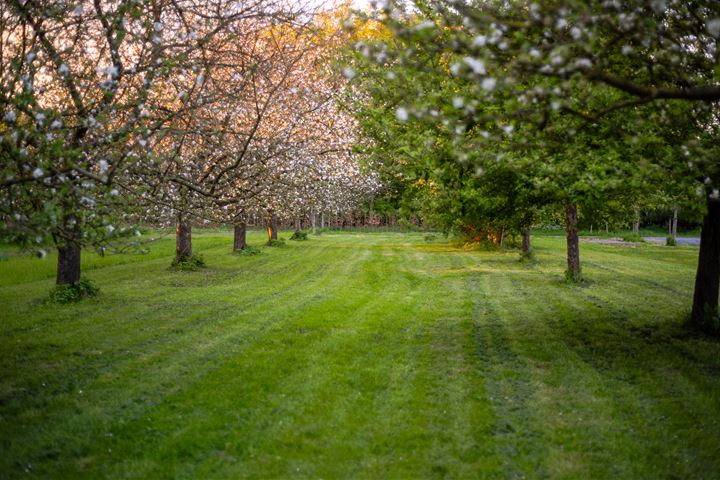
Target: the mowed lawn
pixel 360 356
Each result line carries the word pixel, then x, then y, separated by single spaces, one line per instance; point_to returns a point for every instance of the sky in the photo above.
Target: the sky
pixel 359 4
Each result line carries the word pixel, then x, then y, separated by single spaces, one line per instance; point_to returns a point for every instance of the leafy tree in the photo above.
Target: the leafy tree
pixel 631 66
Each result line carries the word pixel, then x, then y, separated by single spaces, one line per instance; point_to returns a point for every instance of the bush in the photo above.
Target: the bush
pixel 188 263
pixel 275 243
pixel 632 238
pixel 670 242
pixel 299 235
pixel 248 251
pixel 73 292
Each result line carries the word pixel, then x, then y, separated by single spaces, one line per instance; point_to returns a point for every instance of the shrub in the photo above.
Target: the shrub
pixel 73 292
pixel 275 243
pixel 248 251
pixel 632 238
pixel 670 242
pixel 188 263
pixel 299 235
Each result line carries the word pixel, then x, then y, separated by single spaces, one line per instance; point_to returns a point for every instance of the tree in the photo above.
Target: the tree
pixel 84 92
pixel 590 60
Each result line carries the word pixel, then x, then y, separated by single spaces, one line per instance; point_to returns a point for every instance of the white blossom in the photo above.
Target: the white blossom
pixel 38 172
pixel 480 41
pixel 583 63
pixel 424 25
pixel 477 65
pixel 489 83
pixel 402 114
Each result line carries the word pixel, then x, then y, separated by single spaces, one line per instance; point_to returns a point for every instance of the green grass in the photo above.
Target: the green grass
pixel 363 356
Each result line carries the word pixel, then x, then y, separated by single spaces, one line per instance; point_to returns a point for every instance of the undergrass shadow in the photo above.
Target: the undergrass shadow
pixel 654 371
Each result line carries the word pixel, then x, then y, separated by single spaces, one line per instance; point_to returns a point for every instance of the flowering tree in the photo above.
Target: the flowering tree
pixel 84 93
pixel 209 163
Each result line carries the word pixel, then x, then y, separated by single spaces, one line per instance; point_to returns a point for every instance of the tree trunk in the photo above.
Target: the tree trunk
pixel 636 222
pixel 183 239
pixel 298 224
pixel 68 263
pixel 673 228
pixel 707 279
pixel 322 220
pixel 502 238
pixel 526 246
pixel 272 227
pixel 313 221
pixel 573 244
pixel 240 242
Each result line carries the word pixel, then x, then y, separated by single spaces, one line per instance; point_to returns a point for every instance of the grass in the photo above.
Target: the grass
pixel 351 355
